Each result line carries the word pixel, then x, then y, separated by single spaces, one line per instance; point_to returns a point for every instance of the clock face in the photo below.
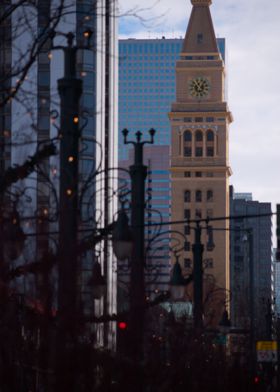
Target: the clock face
pixel 199 87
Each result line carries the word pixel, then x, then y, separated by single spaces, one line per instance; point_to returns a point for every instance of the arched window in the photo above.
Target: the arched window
pixel 187 143
pixel 209 195
pixel 198 196
pixel 210 136
pixel 187 136
pixel 198 136
pixel 198 143
pixel 187 196
pixel 210 139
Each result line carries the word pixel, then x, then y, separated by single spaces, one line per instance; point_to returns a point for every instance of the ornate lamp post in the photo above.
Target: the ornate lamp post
pixel 70 90
pixel 138 173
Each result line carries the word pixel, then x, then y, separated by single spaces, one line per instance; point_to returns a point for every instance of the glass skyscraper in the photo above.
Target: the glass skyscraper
pixel 146 90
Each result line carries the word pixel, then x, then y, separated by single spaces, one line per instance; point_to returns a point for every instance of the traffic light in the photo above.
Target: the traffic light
pixel 278 232
pixel 258 385
pixel 122 325
pixel 122 337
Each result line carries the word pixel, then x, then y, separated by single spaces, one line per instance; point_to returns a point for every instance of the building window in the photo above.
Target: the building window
pixel 209 119
pixel 187 246
pixel 198 119
pixel 209 174
pixel 198 136
pixel 187 136
pixel 198 151
pixel 187 196
pixel 187 214
pixel 209 263
pixel 209 195
pixel 187 230
pixel 210 136
pixel 210 151
pixel 198 214
pixel 198 174
pixel 199 38
pixel 209 213
pixel 198 196
pixel 187 263
pixel 187 151
pixel 187 174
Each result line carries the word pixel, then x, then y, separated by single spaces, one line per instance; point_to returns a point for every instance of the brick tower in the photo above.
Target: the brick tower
pixel 200 169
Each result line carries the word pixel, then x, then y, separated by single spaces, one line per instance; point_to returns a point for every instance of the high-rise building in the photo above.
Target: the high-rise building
pixel 147 88
pixel 261 264
pixel 31 119
pixel 276 277
pixel 200 169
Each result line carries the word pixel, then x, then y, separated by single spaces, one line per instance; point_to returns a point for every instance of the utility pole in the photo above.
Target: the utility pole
pixel 198 249
pixel 70 90
pixel 138 173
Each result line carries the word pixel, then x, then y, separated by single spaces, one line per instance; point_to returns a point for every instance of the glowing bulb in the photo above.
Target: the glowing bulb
pixel 50 56
pixel 76 119
pixel 70 159
pixel 69 192
pixel 86 34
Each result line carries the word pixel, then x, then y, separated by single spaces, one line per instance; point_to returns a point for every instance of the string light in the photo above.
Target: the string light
pixel 83 73
pixel 87 17
pixel 45 211
pixel 50 56
pixel 86 34
pixel 70 159
pixel 69 192
pixel 76 119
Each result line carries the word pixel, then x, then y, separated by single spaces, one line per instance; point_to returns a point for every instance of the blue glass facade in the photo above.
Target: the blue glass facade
pixel 147 86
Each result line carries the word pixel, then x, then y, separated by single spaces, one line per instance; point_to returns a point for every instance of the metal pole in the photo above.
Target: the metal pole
pixel 70 90
pixel 197 249
pixel 138 174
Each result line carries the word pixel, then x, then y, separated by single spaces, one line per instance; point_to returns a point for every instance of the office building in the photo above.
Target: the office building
pixel 200 169
pixel 31 118
pixel 147 86
pixel 259 266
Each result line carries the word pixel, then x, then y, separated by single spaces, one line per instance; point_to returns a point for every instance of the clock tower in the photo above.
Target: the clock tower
pixel 200 169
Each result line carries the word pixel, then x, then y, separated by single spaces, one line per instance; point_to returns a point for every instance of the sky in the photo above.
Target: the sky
pixel 252 32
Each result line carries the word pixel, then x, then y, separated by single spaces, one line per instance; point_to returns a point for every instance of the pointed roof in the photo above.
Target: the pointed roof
pixel 200 36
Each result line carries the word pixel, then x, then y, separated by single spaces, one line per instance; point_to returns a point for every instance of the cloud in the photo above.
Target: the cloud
pixel 252 32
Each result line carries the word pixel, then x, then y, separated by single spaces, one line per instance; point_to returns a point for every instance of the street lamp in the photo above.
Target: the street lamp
pixel 177 282
pixel 122 237
pixel 138 174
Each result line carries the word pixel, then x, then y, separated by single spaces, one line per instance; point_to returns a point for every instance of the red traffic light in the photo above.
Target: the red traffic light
pixel 122 325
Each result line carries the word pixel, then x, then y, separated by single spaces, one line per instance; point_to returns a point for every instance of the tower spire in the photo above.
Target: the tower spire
pixel 200 36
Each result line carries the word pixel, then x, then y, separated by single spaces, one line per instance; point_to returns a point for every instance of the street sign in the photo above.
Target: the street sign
pixel 220 339
pixel 267 351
